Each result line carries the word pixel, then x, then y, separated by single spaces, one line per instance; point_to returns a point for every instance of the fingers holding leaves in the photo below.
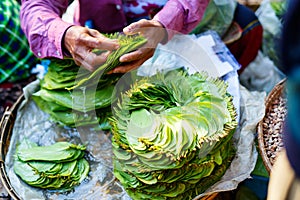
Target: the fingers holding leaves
pixel 153 31
pixel 131 62
pixel 81 41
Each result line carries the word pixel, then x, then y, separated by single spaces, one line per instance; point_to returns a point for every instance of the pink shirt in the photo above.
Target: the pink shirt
pixel 41 20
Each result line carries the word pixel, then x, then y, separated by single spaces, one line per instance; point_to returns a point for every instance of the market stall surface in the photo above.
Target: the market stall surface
pixel 10 92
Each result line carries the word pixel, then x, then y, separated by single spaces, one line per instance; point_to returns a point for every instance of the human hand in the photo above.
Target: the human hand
pixel 154 32
pixel 81 41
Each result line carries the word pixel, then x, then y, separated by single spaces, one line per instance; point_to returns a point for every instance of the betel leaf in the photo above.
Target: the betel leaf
pixel 81 100
pixel 60 151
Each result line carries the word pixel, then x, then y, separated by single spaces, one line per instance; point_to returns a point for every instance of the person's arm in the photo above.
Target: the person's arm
pixel 49 35
pixel 176 16
pixel 42 24
pixel 181 15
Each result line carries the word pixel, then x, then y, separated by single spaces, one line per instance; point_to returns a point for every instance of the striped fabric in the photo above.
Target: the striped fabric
pixel 16 59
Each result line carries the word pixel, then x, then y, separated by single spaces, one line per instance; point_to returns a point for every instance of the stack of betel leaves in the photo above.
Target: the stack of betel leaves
pixel 74 96
pixel 60 166
pixel 172 135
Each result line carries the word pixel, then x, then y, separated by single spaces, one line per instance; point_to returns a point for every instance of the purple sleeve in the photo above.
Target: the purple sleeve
pixel 42 24
pixel 181 15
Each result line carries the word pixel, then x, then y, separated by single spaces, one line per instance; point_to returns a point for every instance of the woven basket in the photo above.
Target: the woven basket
pixel 6 127
pixel 277 92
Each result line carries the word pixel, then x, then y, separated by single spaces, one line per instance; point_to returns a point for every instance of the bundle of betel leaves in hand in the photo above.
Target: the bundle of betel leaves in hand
pixel 60 166
pixel 74 96
pixel 172 135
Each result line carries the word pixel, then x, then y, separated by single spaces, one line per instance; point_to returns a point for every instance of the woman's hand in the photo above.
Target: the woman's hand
pixel 154 32
pixel 81 41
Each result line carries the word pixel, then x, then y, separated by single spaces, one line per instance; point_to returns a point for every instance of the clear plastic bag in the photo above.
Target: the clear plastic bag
pixel 272 26
pixel 218 17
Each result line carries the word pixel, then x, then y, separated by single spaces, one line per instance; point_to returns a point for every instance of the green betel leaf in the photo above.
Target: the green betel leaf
pixel 58 152
pixel 81 100
pixel 26 172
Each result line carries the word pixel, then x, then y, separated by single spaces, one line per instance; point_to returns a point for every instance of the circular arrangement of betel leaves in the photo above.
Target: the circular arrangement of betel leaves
pixel 172 135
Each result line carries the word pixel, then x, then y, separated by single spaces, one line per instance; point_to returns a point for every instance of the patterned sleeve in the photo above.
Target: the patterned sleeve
pixel 16 59
pixel 181 15
pixel 42 24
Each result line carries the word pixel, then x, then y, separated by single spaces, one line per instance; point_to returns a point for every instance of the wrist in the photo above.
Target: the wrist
pixel 163 32
pixel 64 42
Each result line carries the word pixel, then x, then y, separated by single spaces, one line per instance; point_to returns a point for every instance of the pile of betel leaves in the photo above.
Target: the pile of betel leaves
pixel 60 166
pixel 172 135
pixel 74 96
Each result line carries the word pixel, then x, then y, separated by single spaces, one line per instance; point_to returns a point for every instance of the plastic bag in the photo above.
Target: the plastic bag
pixel 218 16
pixel 261 74
pixel 272 27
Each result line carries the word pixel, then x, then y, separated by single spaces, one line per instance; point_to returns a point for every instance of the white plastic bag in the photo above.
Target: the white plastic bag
pixel 261 74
